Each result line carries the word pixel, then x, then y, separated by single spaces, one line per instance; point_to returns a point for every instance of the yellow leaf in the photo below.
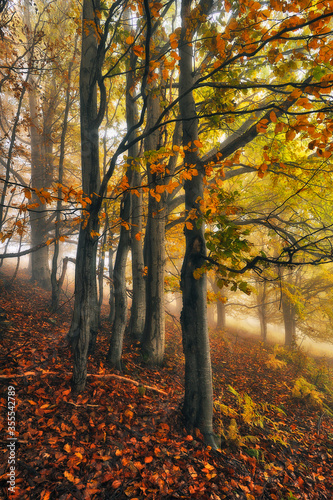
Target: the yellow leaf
pixel 67 448
pixel 69 476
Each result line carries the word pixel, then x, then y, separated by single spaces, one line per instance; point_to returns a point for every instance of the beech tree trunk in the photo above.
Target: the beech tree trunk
pixel 153 339
pixel 198 400
pixel 289 318
pixel 119 283
pixel 40 177
pixel 262 310
pixel 111 284
pixel 138 309
pixel 85 315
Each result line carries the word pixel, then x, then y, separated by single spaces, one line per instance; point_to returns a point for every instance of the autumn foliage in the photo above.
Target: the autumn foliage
pixel 120 440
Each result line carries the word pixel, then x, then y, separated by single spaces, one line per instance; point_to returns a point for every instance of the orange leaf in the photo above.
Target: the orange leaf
pixel 148 460
pixel 129 39
pixel 69 476
pixel 273 117
pixel 174 54
pixel 138 236
pixel 116 484
pixel 138 50
pixel 27 193
pixel 290 135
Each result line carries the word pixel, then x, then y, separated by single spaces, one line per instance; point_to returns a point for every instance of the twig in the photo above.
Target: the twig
pixel 106 375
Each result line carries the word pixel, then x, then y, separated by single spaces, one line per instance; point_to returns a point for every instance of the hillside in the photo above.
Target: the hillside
pixel 124 437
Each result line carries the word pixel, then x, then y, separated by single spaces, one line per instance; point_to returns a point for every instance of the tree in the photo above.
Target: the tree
pixel 85 316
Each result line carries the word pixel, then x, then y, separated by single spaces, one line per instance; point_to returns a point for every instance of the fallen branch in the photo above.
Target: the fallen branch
pixel 106 375
pixel 125 379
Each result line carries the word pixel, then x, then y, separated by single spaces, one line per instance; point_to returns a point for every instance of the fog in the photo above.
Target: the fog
pixel 236 326
pixel 275 335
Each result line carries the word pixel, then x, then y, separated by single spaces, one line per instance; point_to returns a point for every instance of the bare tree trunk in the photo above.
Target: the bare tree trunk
pixel 153 339
pixel 85 315
pixel 55 283
pixel 221 319
pixel 119 283
pixel 262 309
pixel 198 401
pixel 138 309
pixel 111 284
pixel 289 318
pixel 40 271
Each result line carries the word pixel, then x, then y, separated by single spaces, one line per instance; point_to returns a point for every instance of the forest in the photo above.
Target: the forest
pixel 166 249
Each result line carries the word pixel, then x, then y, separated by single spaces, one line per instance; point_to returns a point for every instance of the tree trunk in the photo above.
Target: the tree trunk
pixel 198 401
pixel 262 310
pixel 111 284
pixel 289 318
pixel 138 308
pixel 101 275
pixel 55 283
pixel 39 260
pixel 221 317
pixel 153 339
pixel 85 315
pixel 119 283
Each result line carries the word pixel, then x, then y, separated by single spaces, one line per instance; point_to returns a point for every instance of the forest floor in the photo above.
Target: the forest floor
pixel 272 412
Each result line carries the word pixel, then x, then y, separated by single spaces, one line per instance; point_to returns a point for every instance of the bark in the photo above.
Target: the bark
pixel 101 277
pixel 40 178
pixel 198 400
pixel 111 284
pixel 221 317
pixel 262 310
pixel 84 325
pixel 289 318
pixel 138 308
pixel 119 283
pixel 153 339
pixel 55 283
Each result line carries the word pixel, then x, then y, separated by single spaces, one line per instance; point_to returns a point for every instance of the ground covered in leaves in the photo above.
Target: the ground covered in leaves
pixel 124 437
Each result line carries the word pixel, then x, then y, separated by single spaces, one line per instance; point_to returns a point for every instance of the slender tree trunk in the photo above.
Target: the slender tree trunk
pixel 119 283
pixel 221 319
pixel 153 339
pixel 138 308
pixel 39 260
pixel 289 318
pixel 198 401
pixel 262 310
pixel 85 315
pixel 55 283
pixel 111 283
pixel 101 264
